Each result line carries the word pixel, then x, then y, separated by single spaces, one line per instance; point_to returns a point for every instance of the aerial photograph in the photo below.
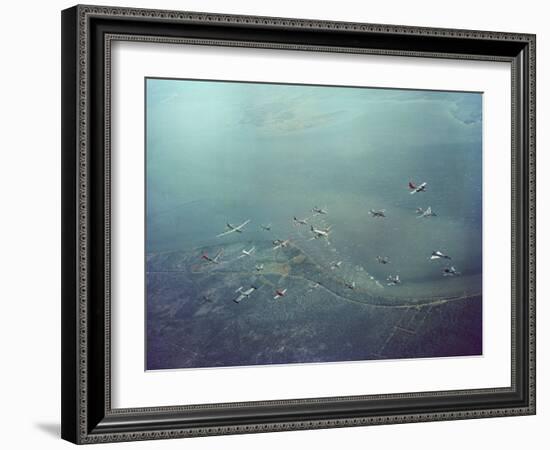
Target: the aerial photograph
pixel 299 224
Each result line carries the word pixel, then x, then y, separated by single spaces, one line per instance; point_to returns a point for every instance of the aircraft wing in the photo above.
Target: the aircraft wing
pixel 226 232
pixel 239 298
pixel 241 225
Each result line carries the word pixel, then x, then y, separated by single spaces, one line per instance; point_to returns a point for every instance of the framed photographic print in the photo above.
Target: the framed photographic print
pixel 277 224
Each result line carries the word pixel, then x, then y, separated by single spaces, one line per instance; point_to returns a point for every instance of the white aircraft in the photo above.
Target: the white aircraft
pixel 414 188
pixel 319 233
pixel 259 267
pixel 279 293
pixel 266 227
pixel 318 210
pixel 335 264
pixel 215 259
pixel 450 272
pixel 313 286
pixel 300 221
pixel 377 213
pixel 383 259
pixel 234 229
pixel 247 252
pixel 425 212
pixel 436 254
pixel 350 285
pixel 244 294
pixel 280 244
pixel 393 280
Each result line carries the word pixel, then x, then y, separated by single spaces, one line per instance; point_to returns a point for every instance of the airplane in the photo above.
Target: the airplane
pixel 278 243
pixel 377 213
pixel 414 188
pixel 259 267
pixel 300 221
pixel 436 254
pixel 425 212
pixel 450 272
pixel 335 264
pixel 383 259
pixel 244 294
pixel 350 284
pixel 215 259
pixel 313 286
pixel 318 233
pixel 234 229
pixel 247 252
pixel 318 210
pixel 393 280
pixel 279 293
pixel 266 227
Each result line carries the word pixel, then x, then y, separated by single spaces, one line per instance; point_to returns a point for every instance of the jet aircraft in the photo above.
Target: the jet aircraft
pixel 425 212
pixel 393 280
pixel 278 243
pixel 377 213
pixel 234 229
pixel 450 272
pixel 245 252
pixel 320 233
pixel 299 221
pixel 244 294
pixel 316 210
pixel 313 286
pixel 279 293
pixel 215 259
pixel 414 188
pixel 436 254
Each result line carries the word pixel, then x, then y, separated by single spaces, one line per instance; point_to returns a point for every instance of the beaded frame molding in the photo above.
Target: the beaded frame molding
pixel 87 35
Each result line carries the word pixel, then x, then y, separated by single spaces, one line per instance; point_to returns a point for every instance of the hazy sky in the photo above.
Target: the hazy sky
pixel 209 126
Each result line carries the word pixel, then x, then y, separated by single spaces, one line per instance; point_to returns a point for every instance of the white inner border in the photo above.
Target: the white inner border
pixel 132 386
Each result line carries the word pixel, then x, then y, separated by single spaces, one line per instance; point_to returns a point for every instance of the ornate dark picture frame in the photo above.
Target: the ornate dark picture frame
pixel 87 34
